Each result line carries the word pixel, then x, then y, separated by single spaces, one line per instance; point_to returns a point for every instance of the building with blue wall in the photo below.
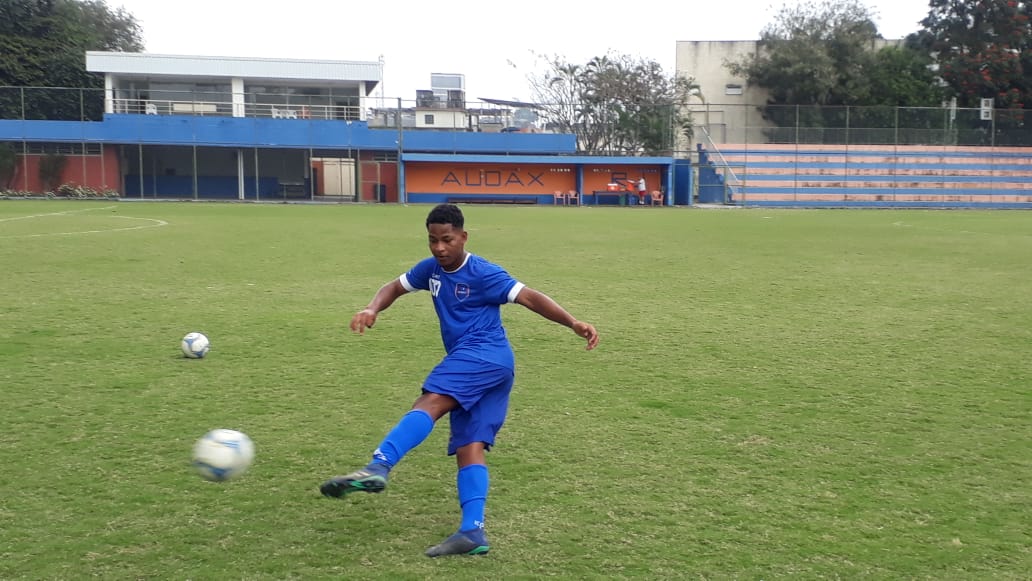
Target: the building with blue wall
pixel 256 128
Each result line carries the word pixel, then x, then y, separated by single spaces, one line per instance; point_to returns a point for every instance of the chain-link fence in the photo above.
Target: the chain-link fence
pixel 634 129
pixel 619 130
pixel 316 166
pixel 797 124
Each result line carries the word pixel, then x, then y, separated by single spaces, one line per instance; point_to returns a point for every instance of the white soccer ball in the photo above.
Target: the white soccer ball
pixel 223 454
pixel 195 345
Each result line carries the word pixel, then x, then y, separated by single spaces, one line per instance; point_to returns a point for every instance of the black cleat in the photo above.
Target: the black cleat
pixel 470 543
pixel 363 480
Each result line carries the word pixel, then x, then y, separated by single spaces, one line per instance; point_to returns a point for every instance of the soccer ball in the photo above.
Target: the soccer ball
pixel 223 454
pixel 195 345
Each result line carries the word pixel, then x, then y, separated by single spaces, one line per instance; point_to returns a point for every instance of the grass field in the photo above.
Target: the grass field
pixel 778 394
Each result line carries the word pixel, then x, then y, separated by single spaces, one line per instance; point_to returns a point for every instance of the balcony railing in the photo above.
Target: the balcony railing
pixel 229 109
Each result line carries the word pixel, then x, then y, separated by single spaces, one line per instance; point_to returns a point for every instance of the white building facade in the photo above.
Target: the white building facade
pixel 156 84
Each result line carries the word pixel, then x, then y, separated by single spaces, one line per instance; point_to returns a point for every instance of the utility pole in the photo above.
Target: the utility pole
pixel 401 148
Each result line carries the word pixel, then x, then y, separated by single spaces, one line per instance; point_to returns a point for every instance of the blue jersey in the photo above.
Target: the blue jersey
pixel 468 302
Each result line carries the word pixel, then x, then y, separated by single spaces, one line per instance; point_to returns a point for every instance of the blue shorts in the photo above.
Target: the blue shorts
pixel 482 390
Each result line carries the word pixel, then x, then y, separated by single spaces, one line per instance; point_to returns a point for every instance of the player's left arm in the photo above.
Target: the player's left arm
pixel 543 305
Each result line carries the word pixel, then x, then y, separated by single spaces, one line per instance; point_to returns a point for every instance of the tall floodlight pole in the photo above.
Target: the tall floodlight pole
pixel 402 197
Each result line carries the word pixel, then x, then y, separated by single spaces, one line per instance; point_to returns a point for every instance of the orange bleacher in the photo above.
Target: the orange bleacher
pixel 843 175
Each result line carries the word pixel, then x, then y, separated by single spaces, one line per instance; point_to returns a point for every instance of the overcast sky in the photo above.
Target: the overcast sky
pixel 492 43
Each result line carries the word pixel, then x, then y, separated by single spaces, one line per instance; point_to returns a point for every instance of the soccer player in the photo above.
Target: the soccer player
pixel 472 382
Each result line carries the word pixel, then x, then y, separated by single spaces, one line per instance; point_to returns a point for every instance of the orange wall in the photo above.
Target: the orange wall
pixel 99 172
pixel 384 171
pixel 488 178
pixel 320 179
pixel 533 179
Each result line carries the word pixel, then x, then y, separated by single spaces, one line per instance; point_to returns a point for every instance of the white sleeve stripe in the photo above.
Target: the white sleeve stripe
pixel 405 283
pixel 515 291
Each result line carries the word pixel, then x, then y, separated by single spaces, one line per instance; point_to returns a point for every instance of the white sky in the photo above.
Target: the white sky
pixel 492 43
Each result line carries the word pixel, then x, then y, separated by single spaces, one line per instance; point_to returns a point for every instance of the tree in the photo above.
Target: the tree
pixel 8 163
pixel 905 100
pixel 43 43
pixel 984 49
pixel 904 76
pixel 826 57
pixel 814 54
pixel 51 169
pixel 614 104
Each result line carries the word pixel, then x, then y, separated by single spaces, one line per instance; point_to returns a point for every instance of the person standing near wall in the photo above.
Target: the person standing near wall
pixel 642 189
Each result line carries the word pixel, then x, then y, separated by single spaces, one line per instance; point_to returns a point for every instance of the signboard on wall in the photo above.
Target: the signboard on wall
pixel 488 178
pixel 986 110
pixel 522 178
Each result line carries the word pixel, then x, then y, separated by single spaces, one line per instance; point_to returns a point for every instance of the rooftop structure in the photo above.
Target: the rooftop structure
pixel 160 84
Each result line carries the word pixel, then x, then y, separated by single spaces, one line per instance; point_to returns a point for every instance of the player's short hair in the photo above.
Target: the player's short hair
pixel 446 214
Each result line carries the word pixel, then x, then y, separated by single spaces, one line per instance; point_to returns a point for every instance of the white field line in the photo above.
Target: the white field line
pixel 54 214
pixel 154 223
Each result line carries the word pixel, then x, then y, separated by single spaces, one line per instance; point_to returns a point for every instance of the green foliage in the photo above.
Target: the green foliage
pixel 8 164
pixel 786 395
pixel 51 170
pixel 63 191
pixel 825 57
pixel 84 192
pixel 43 43
pixel 615 104
pixel 984 49
pixel 814 54
pixel 902 76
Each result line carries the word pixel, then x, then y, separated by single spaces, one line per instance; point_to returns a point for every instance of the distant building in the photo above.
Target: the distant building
pixel 726 99
pixel 235 128
pixel 158 84
pixel 449 88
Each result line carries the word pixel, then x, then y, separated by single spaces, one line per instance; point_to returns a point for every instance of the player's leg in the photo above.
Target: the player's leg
pixel 409 432
pixel 473 432
pixel 472 482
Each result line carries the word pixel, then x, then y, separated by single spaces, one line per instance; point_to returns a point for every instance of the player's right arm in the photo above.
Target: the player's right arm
pixel 384 298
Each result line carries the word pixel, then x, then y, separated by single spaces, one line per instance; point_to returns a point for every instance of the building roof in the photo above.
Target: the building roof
pixel 152 65
pixel 505 103
pixel 553 157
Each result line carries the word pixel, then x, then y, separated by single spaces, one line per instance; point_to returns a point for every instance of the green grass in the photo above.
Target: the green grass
pixel 778 394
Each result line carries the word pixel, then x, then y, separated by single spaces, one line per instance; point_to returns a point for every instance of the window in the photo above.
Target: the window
pixel 732 89
pixel 447 81
pixel 428 119
pixel 63 148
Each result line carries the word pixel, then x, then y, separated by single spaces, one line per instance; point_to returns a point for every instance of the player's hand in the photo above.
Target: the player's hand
pixel 587 331
pixel 363 320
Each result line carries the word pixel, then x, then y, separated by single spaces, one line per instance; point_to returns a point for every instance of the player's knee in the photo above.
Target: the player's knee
pixel 470 454
pixel 435 404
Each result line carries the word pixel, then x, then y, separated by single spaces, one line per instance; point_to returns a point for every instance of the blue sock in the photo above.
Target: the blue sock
pixel 472 482
pixel 409 432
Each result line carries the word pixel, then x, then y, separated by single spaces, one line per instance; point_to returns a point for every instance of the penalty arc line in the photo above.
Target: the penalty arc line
pixel 156 224
pixel 54 214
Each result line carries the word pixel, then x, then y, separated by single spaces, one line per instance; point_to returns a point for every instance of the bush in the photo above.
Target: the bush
pixel 51 168
pixel 65 191
pixel 8 162
pixel 84 192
